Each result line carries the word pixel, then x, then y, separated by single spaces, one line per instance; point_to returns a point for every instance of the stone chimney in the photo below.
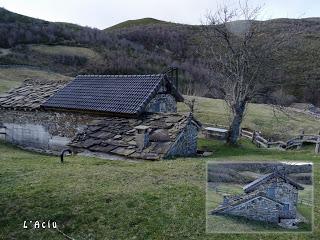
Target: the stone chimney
pixel 142 136
pixel 225 200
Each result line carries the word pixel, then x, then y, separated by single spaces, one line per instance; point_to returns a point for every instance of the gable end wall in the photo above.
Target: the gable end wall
pixel 259 208
pixel 283 192
pixel 162 103
pixel 186 143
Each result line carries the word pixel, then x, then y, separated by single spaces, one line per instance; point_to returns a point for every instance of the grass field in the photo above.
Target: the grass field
pixel 67 50
pixel 135 23
pixel 270 121
pixel 13 76
pixel 92 198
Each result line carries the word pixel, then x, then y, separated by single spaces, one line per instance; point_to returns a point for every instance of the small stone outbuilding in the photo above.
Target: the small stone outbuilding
pixel 271 198
pixel 126 116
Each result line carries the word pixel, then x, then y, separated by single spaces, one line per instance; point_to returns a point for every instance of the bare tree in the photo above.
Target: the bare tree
pixel 238 53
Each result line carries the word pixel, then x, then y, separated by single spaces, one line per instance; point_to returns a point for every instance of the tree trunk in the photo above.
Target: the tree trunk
pixel 234 129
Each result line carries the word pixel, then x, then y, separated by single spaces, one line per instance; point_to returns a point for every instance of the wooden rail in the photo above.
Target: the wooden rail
pixel 295 142
pixel 260 141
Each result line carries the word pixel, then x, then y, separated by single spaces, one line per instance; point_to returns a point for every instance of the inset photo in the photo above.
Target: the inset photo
pixel 244 197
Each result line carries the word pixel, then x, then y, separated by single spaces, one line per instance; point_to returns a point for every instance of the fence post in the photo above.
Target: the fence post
pixel 253 136
pixel 317 148
pixel 302 133
pixel 269 140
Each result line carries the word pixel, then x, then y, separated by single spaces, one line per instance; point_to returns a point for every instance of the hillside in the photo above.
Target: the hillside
pixel 134 23
pixel 11 77
pixel 18 29
pixel 150 45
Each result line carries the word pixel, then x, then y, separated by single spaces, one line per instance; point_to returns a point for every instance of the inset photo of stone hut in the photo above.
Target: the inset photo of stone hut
pixel 265 196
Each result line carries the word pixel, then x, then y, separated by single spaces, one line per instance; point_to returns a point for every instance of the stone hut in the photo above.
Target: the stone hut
pixel 118 116
pixel 271 198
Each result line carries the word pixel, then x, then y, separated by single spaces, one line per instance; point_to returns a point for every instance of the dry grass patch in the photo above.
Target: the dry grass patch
pixel 13 76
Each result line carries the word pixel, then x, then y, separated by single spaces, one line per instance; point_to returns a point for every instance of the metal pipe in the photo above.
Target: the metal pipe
pixel 63 152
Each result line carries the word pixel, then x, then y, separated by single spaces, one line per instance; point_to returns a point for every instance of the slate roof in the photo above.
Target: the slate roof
pixel 30 95
pixel 256 183
pixel 239 199
pixel 124 94
pixel 116 135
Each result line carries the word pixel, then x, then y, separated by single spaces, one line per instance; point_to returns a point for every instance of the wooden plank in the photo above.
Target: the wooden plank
pixel 310 141
pixel 214 125
pixel 262 144
pixel 246 132
pixel 309 135
pixel 259 138
pixel 277 143
pixel 218 130
pixel 247 136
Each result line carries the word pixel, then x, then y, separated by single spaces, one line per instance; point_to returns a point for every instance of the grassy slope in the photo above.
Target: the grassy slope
pixel 11 17
pixel 134 23
pixel 67 50
pixel 299 58
pixel 259 117
pixel 99 199
pixel 13 76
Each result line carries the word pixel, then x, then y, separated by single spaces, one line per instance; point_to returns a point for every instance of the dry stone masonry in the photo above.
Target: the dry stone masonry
pixel 271 198
pixel 161 135
pixel 132 116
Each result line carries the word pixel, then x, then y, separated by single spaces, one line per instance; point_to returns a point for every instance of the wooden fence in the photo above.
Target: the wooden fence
pixel 223 192
pixel 305 201
pixel 295 142
pixel 260 141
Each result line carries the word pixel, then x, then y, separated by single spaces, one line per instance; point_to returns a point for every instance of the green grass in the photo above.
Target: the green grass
pixel 231 188
pixel 306 194
pixel 67 50
pixel 136 22
pixel 92 198
pixel 258 117
pixel 13 76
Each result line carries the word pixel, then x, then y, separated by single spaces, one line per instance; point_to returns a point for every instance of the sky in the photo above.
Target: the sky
pixel 102 14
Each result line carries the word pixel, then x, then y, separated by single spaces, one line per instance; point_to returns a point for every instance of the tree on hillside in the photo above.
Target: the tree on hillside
pixel 238 54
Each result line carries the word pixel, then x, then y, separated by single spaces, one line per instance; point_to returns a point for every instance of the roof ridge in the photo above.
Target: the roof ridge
pixel 247 198
pixel 269 176
pixel 120 75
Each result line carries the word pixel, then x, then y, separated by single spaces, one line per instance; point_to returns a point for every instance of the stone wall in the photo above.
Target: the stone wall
pixel 186 143
pixel 162 103
pixel 41 130
pixel 283 192
pixel 259 208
